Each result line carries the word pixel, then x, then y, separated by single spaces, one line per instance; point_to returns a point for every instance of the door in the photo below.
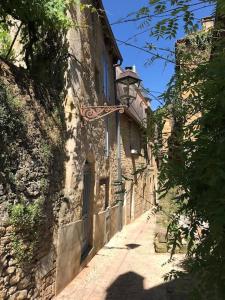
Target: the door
pixel 86 209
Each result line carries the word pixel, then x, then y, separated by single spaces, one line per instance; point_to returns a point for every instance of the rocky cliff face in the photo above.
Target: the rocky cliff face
pixel 31 180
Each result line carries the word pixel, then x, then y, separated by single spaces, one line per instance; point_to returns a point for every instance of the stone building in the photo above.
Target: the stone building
pixel 101 164
pixel 138 166
pixel 89 217
pixel 109 175
pixel 190 51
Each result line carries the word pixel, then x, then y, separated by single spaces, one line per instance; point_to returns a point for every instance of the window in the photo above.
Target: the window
pixel 104 191
pixel 97 81
pixel 106 81
pixel 106 136
pixel 134 138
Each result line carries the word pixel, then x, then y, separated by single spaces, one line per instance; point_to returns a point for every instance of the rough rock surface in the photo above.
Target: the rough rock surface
pixel 29 136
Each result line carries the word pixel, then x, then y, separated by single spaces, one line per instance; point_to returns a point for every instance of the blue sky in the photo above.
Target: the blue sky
pixel 155 76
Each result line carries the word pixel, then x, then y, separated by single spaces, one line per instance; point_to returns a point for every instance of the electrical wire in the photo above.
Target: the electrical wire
pixel 125 20
pixel 147 51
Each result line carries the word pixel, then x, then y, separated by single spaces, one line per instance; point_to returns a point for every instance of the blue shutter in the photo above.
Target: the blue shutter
pixel 106 82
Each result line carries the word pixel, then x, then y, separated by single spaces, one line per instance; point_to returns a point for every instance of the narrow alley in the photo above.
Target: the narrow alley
pixel 126 268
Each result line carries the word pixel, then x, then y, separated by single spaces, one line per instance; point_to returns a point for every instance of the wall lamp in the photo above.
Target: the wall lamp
pixel 127 88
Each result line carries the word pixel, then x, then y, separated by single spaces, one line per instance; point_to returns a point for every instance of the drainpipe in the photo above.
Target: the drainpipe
pixel 119 167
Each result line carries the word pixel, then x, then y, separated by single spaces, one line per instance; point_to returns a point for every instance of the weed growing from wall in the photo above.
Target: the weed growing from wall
pixel 26 220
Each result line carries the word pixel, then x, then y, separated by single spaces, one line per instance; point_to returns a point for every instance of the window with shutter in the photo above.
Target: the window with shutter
pixel 106 136
pixel 106 81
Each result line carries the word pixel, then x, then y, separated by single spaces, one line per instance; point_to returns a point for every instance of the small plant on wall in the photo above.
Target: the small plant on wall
pixel 26 220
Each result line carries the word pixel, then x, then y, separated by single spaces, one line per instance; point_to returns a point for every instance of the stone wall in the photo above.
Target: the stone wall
pixel 136 171
pixel 86 142
pixel 47 145
pixel 31 180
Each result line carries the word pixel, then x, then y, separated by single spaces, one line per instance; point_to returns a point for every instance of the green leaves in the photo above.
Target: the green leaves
pixel 152 2
pixel 25 216
pixel 195 162
pixel 49 12
pixel 39 19
pixel 26 219
pixel 160 8
pixel 5 40
pixel 166 15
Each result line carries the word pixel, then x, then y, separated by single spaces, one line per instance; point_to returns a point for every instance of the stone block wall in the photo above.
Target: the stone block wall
pixel 86 142
pixel 31 181
pixel 47 153
pixel 136 171
pixel 42 168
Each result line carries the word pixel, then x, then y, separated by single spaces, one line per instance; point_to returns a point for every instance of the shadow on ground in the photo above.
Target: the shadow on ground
pixel 130 286
pixel 128 247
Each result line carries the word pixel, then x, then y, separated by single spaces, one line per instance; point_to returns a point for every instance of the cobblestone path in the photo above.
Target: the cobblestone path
pixel 127 268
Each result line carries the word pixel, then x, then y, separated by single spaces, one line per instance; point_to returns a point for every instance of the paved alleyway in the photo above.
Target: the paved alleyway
pixel 125 269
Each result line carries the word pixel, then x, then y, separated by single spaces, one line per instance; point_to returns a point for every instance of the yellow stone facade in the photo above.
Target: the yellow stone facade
pixel 109 173
pixel 104 144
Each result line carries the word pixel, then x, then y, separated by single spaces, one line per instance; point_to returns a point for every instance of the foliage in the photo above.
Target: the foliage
pixel 194 164
pixel 46 152
pixel 37 17
pixel 48 13
pixel 5 41
pixel 17 148
pixel 12 125
pixel 157 124
pixel 163 19
pixel 166 209
pixel 24 216
pixel 26 219
pixel 43 25
pixel 199 44
pixel 172 14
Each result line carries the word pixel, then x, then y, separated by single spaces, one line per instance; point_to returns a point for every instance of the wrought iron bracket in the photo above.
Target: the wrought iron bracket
pixel 92 113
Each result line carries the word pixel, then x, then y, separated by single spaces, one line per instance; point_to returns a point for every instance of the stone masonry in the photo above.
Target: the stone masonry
pixel 64 171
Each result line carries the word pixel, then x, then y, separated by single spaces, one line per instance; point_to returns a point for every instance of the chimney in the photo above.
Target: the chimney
pixel 133 68
pixel 207 23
